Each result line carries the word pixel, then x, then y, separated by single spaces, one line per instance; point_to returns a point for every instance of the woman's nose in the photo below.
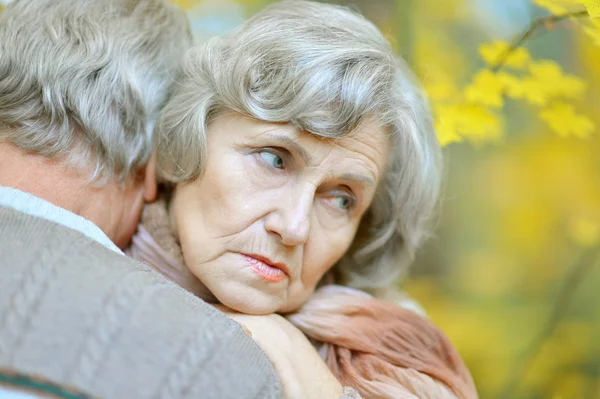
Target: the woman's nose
pixel 290 219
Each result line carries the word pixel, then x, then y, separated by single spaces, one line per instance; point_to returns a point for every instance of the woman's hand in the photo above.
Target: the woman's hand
pixel 303 374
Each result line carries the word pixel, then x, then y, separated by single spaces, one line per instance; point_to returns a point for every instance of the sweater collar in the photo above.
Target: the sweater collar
pixel 35 206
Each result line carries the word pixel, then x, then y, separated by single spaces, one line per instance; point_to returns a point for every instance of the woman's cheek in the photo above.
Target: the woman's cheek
pixel 333 222
pixel 261 175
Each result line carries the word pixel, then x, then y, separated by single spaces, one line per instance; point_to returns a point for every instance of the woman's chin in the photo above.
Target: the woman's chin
pixel 252 303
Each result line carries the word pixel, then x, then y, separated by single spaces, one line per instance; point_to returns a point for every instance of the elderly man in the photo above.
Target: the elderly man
pixel 81 83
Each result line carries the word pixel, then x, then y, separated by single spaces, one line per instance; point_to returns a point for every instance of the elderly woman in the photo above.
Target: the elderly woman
pixel 301 153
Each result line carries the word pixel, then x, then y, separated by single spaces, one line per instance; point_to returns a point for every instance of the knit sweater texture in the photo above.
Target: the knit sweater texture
pixel 76 313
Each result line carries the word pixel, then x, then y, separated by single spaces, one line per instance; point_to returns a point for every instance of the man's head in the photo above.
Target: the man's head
pixel 81 84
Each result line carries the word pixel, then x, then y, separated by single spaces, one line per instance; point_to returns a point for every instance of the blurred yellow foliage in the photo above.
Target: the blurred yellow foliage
pixel 563 119
pixel 593 31
pixel 186 4
pixel 527 202
pixel 518 213
pixel 458 121
pixel 492 52
pixel 559 6
pixel 593 7
pixel 546 82
pixel 550 79
pixel 486 89
pixel 584 232
pixel 541 83
pixel 564 6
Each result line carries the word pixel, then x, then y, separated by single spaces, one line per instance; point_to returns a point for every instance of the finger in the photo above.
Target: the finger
pixel 246 329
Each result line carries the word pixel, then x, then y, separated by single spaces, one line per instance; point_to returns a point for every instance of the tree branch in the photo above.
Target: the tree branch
pixel 405 30
pixel 579 270
pixel 535 25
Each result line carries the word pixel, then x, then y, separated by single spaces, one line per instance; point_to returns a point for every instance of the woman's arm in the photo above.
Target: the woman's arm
pixel 303 374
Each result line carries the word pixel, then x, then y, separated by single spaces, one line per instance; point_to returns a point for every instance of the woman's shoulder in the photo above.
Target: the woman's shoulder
pixel 400 298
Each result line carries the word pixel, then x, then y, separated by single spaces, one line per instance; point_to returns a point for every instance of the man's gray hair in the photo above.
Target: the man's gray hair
pixel 84 80
pixel 326 70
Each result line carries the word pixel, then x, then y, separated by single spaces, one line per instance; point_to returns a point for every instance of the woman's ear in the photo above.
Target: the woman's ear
pixel 150 184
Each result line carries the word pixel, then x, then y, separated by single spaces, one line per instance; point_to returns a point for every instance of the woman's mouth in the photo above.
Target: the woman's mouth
pixel 265 269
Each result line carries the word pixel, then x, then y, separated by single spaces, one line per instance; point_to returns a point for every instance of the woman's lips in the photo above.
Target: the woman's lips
pixel 267 271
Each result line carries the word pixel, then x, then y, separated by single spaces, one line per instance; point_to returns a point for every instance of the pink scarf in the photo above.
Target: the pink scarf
pixel 382 349
pixel 379 348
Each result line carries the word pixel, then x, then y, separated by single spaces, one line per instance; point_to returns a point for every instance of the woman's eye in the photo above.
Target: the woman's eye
pixel 343 202
pixel 273 160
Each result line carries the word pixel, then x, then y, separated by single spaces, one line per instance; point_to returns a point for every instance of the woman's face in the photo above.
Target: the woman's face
pixel 274 210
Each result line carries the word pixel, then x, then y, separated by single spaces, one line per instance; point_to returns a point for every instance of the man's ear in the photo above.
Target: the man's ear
pixel 150 184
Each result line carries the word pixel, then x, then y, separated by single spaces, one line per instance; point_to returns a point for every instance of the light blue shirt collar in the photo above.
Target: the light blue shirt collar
pixel 34 206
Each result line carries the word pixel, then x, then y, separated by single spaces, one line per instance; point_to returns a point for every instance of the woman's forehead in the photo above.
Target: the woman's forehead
pixel 367 145
pixel 368 135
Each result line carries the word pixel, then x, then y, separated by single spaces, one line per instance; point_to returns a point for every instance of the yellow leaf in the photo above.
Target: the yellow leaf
pixel 474 122
pixel 492 52
pixel 440 86
pixel 593 7
pixel 486 89
pixel 551 6
pixel 557 6
pixel 514 86
pixel 446 133
pixel 593 31
pixel 546 82
pixel 185 4
pixel 535 92
pixel 480 124
pixel 583 232
pixel 563 119
pixel 557 83
pixel 446 125
pixel 440 91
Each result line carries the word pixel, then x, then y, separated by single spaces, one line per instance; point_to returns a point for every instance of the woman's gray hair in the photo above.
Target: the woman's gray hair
pixel 326 70
pixel 84 80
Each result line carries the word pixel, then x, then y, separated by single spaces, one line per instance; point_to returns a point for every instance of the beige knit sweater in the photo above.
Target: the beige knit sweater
pixel 79 314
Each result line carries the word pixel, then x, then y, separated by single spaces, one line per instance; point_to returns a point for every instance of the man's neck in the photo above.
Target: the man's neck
pixel 58 183
pixel 45 178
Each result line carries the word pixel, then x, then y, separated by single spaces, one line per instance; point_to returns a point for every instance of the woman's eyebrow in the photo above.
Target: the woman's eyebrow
pixel 306 157
pixel 365 180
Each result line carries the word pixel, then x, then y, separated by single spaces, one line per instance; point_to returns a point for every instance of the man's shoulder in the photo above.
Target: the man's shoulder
pixel 76 312
pixel 20 228
pixel 36 245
